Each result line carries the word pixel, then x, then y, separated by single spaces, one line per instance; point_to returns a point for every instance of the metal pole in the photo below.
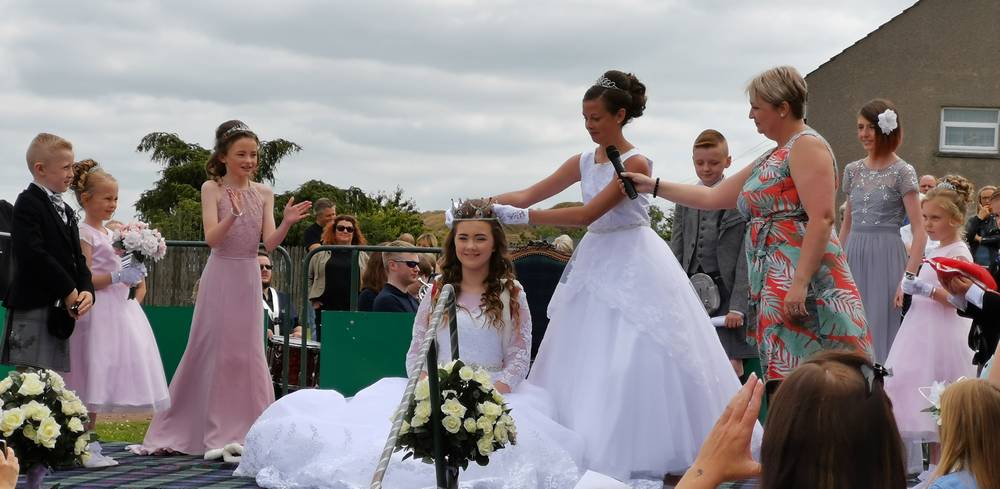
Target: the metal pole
pixel 435 398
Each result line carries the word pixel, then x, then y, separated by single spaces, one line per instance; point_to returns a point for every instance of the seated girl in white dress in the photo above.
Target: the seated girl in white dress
pixel 317 438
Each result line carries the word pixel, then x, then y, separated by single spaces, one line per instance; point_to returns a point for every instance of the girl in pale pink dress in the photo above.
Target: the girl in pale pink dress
pixel 222 383
pixel 931 344
pixel 115 366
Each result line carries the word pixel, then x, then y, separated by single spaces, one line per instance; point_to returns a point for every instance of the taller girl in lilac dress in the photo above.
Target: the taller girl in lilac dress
pixel 222 383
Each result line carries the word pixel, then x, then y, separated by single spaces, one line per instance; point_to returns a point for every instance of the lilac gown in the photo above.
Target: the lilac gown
pixel 222 383
pixel 115 366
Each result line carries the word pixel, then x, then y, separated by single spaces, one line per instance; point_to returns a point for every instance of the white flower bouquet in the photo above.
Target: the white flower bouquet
pixel 42 420
pixel 474 416
pixel 137 241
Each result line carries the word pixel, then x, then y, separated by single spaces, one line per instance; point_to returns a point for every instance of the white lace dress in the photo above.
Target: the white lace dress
pixel 318 439
pixel 630 357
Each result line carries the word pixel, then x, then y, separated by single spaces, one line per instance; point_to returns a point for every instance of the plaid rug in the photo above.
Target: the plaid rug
pixel 132 471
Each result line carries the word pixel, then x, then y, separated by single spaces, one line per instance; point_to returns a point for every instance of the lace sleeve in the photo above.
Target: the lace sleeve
pixel 845 183
pixel 419 331
pixel 517 351
pixel 907 180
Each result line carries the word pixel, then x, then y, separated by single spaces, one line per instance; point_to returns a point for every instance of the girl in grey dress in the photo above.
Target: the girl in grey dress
pixel 881 190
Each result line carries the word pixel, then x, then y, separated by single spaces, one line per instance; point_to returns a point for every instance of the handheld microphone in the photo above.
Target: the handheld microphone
pixel 616 161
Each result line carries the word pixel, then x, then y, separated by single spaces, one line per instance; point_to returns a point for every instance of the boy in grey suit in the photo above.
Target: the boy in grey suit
pixel 711 242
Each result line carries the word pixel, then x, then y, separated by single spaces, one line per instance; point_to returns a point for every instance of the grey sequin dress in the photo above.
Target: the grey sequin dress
pixel 875 250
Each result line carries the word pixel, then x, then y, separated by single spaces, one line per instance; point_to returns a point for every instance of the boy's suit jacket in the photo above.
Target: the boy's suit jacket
pixel 48 262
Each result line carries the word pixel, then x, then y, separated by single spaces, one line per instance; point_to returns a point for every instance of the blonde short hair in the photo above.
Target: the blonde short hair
pixel 41 148
pixel 781 84
pixel 389 256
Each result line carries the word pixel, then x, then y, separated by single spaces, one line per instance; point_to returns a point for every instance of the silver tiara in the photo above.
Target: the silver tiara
pixel 946 186
pixel 482 212
pixel 605 82
pixel 239 127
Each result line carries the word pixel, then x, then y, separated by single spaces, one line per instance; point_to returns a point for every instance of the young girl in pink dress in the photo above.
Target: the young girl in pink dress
pixel 115 366
pixel 222 383
pixel 931 345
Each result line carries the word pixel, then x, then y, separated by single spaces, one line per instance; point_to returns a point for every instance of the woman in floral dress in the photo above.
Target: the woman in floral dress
pixel 800 285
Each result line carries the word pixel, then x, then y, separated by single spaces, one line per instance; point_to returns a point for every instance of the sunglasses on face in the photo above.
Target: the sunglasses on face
pixel 266 267
pixel 345 229
pixel 409 263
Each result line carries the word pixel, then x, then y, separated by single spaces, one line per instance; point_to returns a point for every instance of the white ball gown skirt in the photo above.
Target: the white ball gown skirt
pixel 319 439
pixel 630 357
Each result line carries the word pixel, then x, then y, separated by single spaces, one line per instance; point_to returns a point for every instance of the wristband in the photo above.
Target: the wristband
pixel 656 187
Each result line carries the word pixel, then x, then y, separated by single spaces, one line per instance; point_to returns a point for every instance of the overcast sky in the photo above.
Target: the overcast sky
pixel 445 98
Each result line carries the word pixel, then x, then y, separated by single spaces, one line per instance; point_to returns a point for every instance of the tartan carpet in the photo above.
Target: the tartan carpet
pixel 153 472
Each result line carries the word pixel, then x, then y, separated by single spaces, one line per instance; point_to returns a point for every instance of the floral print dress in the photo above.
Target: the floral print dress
pixel 775 231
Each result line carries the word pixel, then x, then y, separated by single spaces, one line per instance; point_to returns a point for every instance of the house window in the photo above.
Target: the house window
pixel 967 130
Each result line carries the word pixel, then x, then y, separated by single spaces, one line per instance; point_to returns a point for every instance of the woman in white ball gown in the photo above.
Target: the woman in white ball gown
pixel 630 356
pixel 317 438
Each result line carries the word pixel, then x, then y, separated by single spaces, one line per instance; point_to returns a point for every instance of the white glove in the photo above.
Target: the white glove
pixel 508 214
pixel 915 286
pixel 128 276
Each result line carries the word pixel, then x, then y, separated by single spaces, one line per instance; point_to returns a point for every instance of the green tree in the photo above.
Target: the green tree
pixel 173 205
pixel 383 216
pixel 661 221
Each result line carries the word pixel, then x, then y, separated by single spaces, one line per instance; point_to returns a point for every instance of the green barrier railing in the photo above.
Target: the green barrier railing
pixel 337 359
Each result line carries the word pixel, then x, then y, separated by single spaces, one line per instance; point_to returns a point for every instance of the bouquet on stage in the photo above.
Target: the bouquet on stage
pixel 141 243
pixel 474 416
pixel 42 420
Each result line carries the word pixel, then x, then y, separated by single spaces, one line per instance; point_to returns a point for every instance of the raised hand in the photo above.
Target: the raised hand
pixel 725 454
pixel 508 214
pixel 294 213
pixel 236 199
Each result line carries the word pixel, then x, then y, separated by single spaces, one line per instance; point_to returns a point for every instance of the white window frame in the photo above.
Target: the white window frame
pixel 970 149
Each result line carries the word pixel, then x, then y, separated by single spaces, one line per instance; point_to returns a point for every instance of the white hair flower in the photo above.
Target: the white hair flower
pixel 887 121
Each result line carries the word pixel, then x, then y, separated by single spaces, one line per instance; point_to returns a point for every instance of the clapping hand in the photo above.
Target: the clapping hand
pixel 296 212
pixel 236 199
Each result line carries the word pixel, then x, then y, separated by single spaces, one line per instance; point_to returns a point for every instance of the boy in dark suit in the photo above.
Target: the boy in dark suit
pixel 51 287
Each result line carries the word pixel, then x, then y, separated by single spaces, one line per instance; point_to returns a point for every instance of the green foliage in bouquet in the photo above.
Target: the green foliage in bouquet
pixel 474 415
pixel 42 420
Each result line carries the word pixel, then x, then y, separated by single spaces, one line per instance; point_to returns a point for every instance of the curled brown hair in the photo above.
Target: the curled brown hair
pixel 328 232
pixel 824 415
pixel 87 174
pixel 884 143
pixel 501 273
pixel 225 135
pixel 630 94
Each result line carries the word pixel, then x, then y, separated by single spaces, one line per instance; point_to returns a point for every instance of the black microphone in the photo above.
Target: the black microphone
pixel 616 161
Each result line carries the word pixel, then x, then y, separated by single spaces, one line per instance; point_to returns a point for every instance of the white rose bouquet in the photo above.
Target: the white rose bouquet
pixel 137 241
pixel 42 420
pixel 474 416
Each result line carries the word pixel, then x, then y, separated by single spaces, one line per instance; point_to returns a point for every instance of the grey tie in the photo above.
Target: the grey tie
pixel 57 201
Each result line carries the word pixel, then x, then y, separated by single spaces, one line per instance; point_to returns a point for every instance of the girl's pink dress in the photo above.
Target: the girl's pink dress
pixel 931 345
pixel 222 383
pixel 115 365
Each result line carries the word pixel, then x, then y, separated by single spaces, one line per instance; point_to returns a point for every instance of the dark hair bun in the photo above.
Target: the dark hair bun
pixel 619 90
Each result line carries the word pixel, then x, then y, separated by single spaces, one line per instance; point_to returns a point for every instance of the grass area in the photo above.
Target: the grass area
pixel 123 431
